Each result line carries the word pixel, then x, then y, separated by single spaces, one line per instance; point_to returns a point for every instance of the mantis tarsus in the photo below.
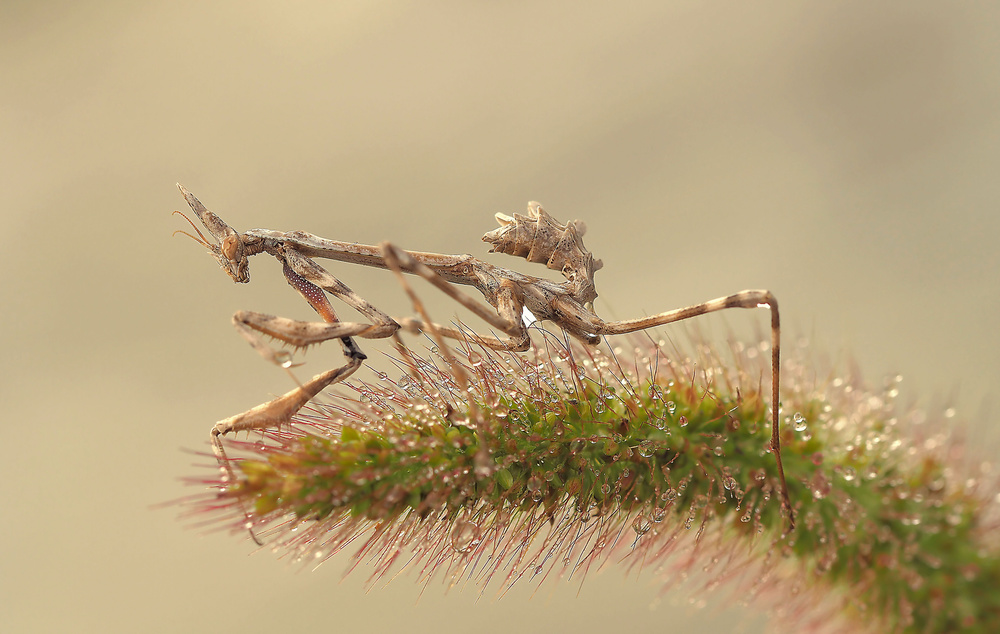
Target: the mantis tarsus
pixel 537 237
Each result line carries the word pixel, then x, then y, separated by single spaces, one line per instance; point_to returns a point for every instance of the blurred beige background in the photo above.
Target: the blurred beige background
pixel 846 157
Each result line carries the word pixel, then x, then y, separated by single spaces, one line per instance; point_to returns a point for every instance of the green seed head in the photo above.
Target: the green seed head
pixel 554 461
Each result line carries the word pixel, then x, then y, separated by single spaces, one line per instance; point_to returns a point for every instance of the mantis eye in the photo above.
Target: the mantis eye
pixel 230 247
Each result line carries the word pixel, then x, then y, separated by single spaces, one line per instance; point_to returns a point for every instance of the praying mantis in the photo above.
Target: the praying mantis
pixel 537 237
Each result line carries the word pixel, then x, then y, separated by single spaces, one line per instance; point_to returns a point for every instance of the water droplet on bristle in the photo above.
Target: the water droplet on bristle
pixel 283 358
pixel 641 525
pixel 800 422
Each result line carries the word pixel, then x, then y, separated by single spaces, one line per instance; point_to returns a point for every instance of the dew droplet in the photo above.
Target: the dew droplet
pixel 682 421
pixel 641 525
pixel 534 484
pixel 820 486
pixel 647 448
pixel 464 536
pixel 800 421
pixel 671 407
pixel 283 358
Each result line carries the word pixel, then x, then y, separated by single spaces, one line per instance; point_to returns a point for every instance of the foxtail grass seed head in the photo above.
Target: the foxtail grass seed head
pixel 646 455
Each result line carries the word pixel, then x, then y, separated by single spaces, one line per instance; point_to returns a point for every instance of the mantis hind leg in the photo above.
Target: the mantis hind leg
pixel 743 299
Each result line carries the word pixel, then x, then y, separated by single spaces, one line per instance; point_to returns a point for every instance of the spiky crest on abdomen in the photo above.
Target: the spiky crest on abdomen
pixel 538 237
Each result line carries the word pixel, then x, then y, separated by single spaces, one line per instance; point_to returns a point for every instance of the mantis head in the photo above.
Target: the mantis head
pixel 231 250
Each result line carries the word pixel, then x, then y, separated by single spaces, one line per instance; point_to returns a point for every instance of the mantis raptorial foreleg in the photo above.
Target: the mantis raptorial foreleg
pixel 299 334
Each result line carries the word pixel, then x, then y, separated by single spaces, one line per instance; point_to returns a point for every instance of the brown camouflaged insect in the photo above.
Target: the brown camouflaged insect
pixel 537 237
